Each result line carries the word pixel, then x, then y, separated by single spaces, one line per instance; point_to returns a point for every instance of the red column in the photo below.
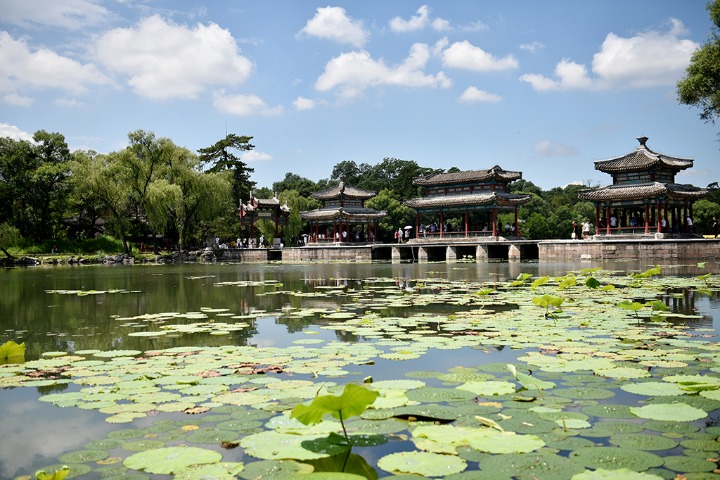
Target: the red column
pixel 466 222
pixel 494 222
pixel 442 223
pixel 607 220
pixel 597 219
pixel 647 219
pixel 658 227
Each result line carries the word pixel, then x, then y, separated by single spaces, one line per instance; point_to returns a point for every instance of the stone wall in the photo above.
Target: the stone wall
pixel 606 250
pixel 346 253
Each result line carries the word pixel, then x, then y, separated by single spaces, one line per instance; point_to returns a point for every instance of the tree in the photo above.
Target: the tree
pixel 701 85
pixel 220 159
pixel 292 181
pixel 398 215
pixel 297 204
pixel 9 235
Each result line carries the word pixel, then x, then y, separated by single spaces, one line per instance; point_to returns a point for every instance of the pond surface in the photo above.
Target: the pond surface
pixel 109 350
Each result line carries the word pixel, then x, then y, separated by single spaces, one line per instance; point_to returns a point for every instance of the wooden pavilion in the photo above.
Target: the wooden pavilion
pixel 643 197
pixel 466 192
pixel 343 213
pixel 263 208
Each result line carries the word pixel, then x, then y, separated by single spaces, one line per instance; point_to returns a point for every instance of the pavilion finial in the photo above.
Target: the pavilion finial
pixel 643 140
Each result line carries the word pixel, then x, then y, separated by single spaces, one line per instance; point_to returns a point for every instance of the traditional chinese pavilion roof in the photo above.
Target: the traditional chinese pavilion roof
pixel 263 204
pixel 343 190
pixel 639 191
pixel 642 158
pixel 469 176
pixel 345 214
pixel 470 199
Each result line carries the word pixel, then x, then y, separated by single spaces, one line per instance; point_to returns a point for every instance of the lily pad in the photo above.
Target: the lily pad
pixel 613 457
pixel 170 460
pixel 422 463
pixel 672 412
pixel 619 474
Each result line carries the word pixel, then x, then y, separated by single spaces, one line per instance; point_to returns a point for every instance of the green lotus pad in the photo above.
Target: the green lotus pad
pixel 652 389
pixel 447 438
pixel 422 463
pixel 216 471
pixel 170 460
pixel 621 474
pixel 672 412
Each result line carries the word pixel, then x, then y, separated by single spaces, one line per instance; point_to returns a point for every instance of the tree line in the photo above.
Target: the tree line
pixel 154 190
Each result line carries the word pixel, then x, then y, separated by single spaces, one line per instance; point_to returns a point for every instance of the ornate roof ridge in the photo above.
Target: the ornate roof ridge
pixel 342 189
pixel 641 158
pixel 496 172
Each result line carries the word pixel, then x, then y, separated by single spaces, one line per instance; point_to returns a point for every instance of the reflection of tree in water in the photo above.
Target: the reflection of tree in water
pixel 683 302
pixel 56 388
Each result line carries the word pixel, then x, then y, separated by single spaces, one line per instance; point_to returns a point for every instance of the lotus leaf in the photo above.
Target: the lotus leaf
pixel 652 389
pixel 529 382
pixel 422 463
pixel 271 445
pixel 672 412
pixel 613 457
pixel 12 352
pixel 217 471
pixel 641 441
pixel 490 387
pixel 689 464
pixel 58 474
pixel 168 460
pixel 619 474
pixel 533 465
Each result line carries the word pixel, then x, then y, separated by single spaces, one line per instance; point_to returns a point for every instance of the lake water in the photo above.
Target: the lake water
pixel 65 310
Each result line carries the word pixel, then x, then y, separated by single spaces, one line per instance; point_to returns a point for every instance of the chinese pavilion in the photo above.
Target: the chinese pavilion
pixel 343 210
pixel 485 191
pixel 643 197
pixel 263 208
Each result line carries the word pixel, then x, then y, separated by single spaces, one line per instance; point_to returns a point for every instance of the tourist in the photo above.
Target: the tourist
pixel 573 234
pixel 261 243
pixel 663 225
pixel 715 227
pixel 399 235
pixel 585 229
pixel 613 221
pixel 689 224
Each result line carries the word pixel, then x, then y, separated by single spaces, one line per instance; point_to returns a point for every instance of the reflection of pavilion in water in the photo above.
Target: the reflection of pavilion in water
pixel 686 301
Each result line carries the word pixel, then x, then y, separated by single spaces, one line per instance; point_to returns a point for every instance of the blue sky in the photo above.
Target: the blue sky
pixel 544 87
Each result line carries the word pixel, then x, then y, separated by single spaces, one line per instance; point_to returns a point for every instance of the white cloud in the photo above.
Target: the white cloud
pixel 243 105
pixel 302 103
pixel 68 102
pixel 648 59
pixel 332 23
pixel 475 95
pixel 353 72
pixel 23 68
pixel 469 57
pixel 11 131
pixel 255 156
pixel 70 14
pixel 165 61
pixel 416 22
pixel 532 47
pixel 17 100
pixel 546 148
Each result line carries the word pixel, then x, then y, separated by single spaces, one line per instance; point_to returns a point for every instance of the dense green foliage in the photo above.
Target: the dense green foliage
pixel 701 85
pixel 155 194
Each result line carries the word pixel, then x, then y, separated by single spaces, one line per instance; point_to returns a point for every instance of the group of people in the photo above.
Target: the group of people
pixel 581 231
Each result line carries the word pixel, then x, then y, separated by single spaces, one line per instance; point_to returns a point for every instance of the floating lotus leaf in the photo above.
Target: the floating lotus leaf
pixel 652 389
pixel 619 474
pixel 614 457
pixel 422 463
pixel 585 393
pixel 435 394
pixel 672 412
pixel 270 445
pixel 84 456
pixel 142 445
pixel 573 423
pixel 211 435
pixel 689 464
pixel 490 387
pixel 606 410
pixel 534 465
pixel 641 441
pixel 217 471
pixel 170 460
pixel 623 372
pixel 53 474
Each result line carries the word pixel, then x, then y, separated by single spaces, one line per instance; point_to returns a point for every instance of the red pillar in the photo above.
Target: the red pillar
pixel 442 223
pixel 647 219
pixel 494 222
pixel 607 220
pixel 597 219
pixel 466 222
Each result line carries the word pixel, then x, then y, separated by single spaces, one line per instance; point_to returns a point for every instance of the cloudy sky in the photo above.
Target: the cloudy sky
pixel 541 87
